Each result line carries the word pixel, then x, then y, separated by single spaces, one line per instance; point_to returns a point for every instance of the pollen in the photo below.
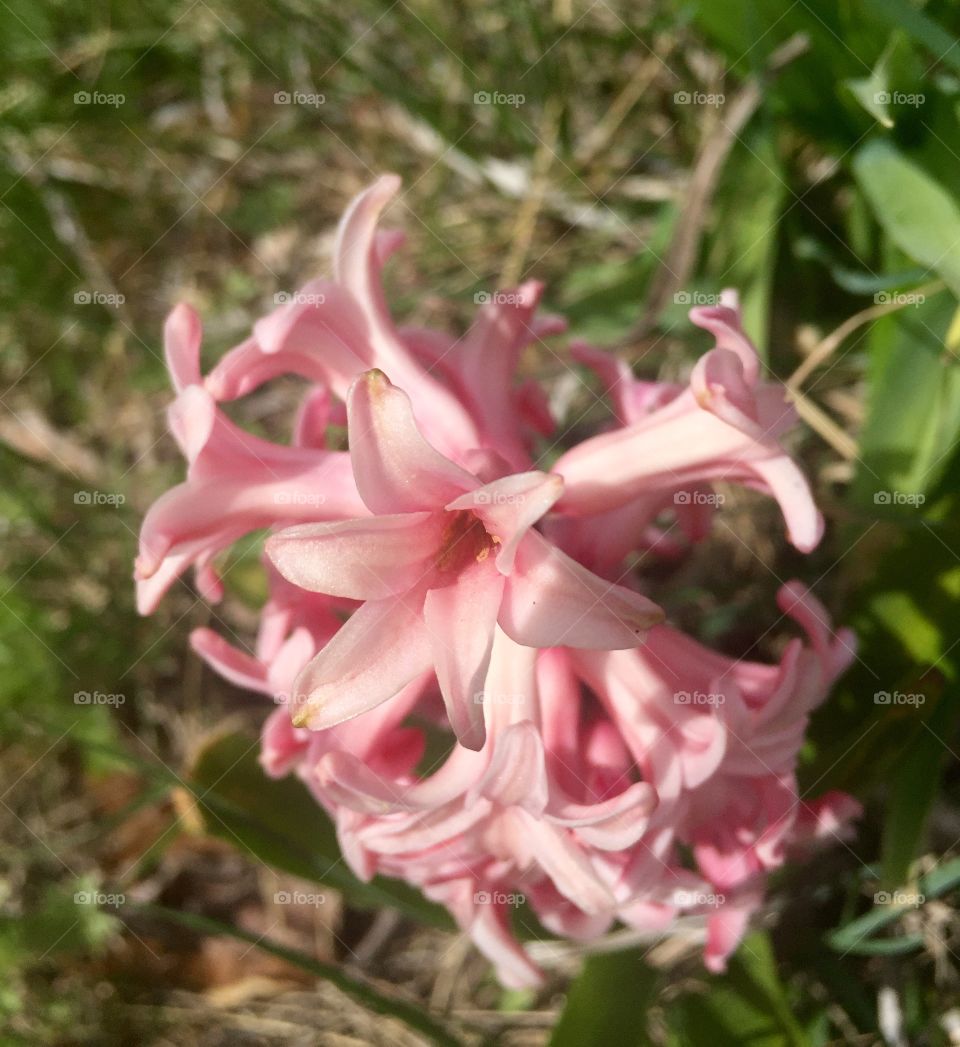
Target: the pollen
pixel 465 540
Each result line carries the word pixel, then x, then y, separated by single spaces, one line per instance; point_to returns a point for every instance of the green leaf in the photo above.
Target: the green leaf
pixel 376 1000
pixel 873 91
pixel 916 212
pixel 895 77
pixel 858 936
pixel 920 27
pixel 607 1004
pixel 750 199
pixel 746 1005
pixel 279 822
pixel 913 407
pixel 912 793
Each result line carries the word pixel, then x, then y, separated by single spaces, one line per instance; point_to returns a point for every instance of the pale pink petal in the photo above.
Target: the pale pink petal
pixel 182 334
pixel 551 601
pixel 367 559
pixel 786 482
pixel 313 418
pixel 231 663
pixel 490 932
pixel 836 650
pixel 564 862
pixel 282 746
pixel 510 507
pixel 725 929
pixel 460 619
pixel 718 383
pixel 610 825
pixel 191 418
pixel 486 363
pixel 725 322
pixel 379 649
pixel 357 263
pixel 517 774
pixel 292 655
pixel 396 470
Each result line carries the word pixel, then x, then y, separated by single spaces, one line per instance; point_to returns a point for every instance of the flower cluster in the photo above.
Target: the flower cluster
pixel 600 764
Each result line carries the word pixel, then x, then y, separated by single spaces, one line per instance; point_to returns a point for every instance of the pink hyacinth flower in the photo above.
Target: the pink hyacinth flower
pixel 724 427
pixel 444 558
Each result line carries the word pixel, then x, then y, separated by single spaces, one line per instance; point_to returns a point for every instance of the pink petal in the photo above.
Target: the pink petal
pixel 396 470
pixel 725 929
pixel 725 323
pixel 313 417
pixel 789 486
pixel 377 651
pixel 517 774
pixel 565 863
pixel 551 601
pixel 367 559
pixel 460 619
pixel 182 334
pixel 490 932
pixel 282 745
pixel 510 507
pixel 358 258
pixel 719 385
pixel 613 824
pixel 191 418
pixel 231 663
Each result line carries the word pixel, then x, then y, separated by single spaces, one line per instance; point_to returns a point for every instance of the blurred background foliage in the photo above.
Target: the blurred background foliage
pixel 634 157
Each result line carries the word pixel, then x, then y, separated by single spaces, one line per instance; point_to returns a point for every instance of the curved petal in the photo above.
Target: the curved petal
pixel 564 862
pixel 517 774
pixel 613 824
pixel 460 619
pixel 377 651
pixel 191 418
pixel 551 601
pixel 491 934
pixel 182 334
pixel 366 559
pixel 786 482
pixel 510 507
pixel 231 663
pixel 396 470
pixel 725 929
pixel 358 258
